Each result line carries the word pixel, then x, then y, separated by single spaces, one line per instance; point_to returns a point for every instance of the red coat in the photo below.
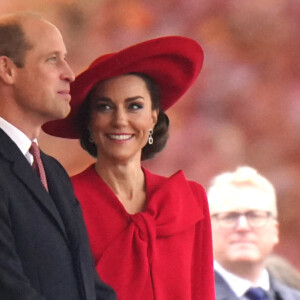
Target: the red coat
pixel 162 253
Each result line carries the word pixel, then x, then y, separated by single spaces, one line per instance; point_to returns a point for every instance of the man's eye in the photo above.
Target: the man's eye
pixel 255 216
pixel 52 58
pixel 230 216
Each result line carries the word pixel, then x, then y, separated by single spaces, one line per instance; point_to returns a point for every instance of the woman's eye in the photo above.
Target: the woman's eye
pixel 135 106
pixel 102 107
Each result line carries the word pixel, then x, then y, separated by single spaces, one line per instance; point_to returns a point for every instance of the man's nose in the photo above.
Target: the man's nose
pixel 67 73
pixel 242 223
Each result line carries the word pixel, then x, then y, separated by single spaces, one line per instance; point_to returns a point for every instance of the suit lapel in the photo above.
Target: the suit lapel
pixel 223 291
pixel 28 177
pixel 61 191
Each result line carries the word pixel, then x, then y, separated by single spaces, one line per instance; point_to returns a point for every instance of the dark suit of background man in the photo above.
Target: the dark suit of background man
pixel 44 251
pixel 245 231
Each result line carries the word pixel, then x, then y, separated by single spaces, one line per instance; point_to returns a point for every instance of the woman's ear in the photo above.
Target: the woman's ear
pixel 155 113
pixel 7 70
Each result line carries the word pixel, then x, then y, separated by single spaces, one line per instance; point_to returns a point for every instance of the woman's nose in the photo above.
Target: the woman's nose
pixel 120 117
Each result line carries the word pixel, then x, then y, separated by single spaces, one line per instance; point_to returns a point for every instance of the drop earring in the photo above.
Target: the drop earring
pixel 150 139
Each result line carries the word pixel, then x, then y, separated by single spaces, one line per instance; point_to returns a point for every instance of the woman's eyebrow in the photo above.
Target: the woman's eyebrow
pixel 129 99
pixel 107 99
pixel 102 99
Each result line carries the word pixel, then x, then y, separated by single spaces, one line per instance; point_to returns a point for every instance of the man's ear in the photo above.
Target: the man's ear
pixel 7 70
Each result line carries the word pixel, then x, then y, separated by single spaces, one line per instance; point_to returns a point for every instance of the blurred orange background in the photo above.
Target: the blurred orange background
pixel 243 109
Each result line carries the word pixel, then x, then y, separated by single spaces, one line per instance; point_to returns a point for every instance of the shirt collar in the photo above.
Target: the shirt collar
pixel 19 137
pixel 240 285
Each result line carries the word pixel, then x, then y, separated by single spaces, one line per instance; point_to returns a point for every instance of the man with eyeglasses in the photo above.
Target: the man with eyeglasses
pixel 245 231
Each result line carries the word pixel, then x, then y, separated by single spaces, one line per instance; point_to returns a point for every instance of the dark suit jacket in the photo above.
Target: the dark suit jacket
pixel 278 291
pixel 44 249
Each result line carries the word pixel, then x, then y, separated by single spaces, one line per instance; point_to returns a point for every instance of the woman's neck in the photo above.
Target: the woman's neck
pixel 127 182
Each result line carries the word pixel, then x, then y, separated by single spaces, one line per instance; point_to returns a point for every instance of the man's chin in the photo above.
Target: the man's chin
pixel 62 114
pixel 245 256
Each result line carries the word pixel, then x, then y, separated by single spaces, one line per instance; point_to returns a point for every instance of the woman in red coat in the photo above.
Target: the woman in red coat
pixel 150 235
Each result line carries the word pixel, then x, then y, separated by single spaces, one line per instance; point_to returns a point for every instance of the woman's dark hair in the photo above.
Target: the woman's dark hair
pixel 160 130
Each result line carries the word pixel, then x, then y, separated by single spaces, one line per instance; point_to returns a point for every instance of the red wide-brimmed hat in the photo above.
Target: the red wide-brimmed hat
pixel 174 63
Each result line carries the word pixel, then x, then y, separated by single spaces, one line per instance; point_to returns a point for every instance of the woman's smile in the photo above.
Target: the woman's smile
pixel 120 137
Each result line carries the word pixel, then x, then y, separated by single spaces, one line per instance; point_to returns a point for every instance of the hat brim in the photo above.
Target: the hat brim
pixel 173 62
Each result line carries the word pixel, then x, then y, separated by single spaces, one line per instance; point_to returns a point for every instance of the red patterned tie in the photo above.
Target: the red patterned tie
pixel 37 164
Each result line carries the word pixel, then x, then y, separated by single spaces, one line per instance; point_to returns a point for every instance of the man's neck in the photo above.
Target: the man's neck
pixel 32 132
pixel 246 270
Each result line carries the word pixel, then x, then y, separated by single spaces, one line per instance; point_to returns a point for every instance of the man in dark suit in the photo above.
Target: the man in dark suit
pixel 44 250
pixel 245 231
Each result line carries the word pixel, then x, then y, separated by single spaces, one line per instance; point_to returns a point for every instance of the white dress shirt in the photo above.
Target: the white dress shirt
pixel 240 285
pixel 19 138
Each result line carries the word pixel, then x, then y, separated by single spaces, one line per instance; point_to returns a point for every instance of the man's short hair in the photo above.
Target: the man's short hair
pixel 242 176
pixel 13 42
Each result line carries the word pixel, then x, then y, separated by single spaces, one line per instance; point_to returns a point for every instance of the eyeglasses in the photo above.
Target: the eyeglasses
pixel 255 218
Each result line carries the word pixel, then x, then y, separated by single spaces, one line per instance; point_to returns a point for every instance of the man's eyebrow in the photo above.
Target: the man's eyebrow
pixel 58 53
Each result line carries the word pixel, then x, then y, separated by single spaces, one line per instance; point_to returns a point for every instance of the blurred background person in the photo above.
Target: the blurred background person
pixel 245 231
pixel 150 235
